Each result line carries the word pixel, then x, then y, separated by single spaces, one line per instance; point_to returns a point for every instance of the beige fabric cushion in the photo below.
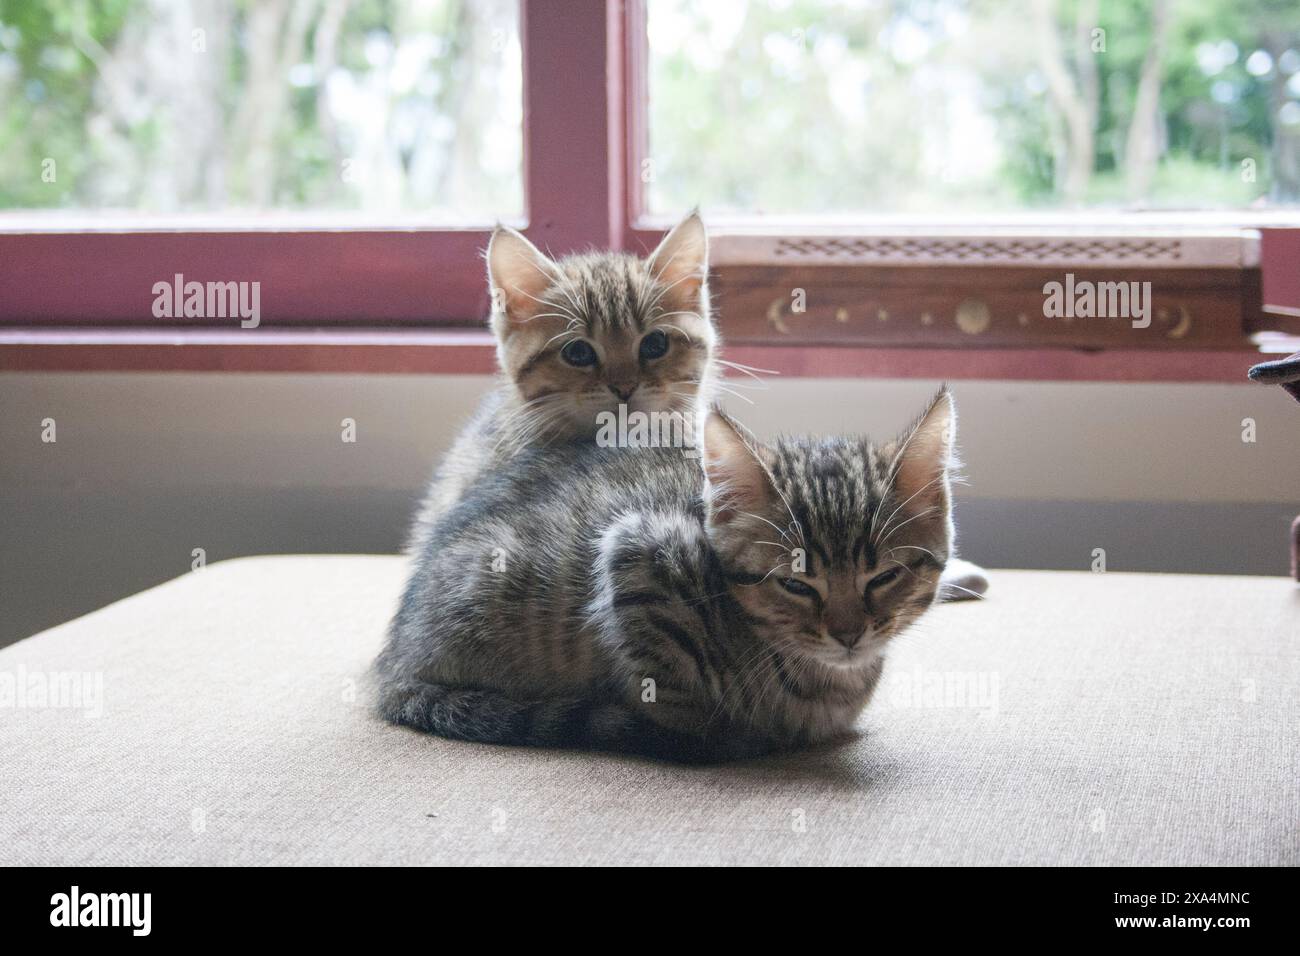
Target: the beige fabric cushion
pixel 1087 719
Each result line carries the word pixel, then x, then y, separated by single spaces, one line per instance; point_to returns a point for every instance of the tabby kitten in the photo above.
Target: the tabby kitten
pixel 685 609
pixel 580 336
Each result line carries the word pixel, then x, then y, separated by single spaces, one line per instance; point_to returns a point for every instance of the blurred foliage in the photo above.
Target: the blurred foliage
pixel 939 106
pixel 244 105
pixel 778 106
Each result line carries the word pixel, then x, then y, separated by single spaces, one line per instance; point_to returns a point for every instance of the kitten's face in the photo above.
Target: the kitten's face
pixel 589 333
pixel 836 546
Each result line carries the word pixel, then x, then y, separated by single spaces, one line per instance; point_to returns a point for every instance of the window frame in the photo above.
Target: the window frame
pixel 413 299
pixel 365 276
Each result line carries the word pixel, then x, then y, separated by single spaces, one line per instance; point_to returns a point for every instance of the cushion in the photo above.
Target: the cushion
pixel 1070 718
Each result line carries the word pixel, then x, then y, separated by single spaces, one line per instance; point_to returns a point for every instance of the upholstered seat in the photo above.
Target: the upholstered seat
pixel 1070 718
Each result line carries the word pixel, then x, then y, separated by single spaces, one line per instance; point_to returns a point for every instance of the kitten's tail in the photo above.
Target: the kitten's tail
pixel 488 716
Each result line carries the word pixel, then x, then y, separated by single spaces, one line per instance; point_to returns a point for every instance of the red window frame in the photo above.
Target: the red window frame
pixel 413 299
pixel 348 277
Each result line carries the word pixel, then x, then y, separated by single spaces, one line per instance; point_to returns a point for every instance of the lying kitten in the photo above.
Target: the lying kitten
pixel 578 337
pixel 640 600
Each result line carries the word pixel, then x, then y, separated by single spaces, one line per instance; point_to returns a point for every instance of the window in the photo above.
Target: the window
pixel 405 111
pixel 891 186
pixel 949 107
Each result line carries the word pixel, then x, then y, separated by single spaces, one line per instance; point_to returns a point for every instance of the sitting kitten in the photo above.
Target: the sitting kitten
pixel 578 337
pixel 640 600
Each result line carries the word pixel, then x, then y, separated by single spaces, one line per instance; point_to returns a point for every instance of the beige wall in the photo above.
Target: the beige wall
pixel 149 466
pixel 1044 441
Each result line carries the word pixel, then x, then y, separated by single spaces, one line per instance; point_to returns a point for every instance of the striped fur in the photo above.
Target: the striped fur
pixel 609 300
pixel 639 600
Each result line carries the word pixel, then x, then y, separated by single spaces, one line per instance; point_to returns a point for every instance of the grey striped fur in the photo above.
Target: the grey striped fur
pixel 639 600
pixel 610 300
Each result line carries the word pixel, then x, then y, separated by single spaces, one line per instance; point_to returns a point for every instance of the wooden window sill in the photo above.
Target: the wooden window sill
pixel 471 352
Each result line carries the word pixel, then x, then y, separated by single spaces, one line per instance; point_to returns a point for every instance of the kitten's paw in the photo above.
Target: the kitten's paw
pixel 962 581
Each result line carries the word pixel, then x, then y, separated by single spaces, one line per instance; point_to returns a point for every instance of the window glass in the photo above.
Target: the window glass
pixel 952 106
pixel 231 106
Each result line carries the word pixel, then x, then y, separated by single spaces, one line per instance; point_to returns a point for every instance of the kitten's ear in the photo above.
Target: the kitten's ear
pixel 736 479
pixel 518 274
pixel 682 259
pixel 922 465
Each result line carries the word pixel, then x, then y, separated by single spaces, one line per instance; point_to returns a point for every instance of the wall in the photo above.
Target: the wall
pixel 148 467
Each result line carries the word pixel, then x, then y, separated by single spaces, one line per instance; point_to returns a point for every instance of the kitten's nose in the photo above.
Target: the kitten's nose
pixel 848 638
pixel 844 616
pixel 624 392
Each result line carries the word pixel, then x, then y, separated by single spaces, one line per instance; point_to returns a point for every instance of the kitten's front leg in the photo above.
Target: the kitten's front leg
pixel 652 588
pixel 687 735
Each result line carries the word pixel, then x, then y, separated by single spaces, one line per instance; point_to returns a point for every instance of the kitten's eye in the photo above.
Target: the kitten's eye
pixel 883 578
pixel 654 345
pixel 579 353
pixel 797 587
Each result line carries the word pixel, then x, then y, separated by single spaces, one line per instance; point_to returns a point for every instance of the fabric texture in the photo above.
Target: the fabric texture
pixel 1070 718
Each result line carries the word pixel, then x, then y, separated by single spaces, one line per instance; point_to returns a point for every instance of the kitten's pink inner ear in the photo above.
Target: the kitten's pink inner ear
pixel 682 259
pixel 737 480
pixel 518 273
pixel 921 473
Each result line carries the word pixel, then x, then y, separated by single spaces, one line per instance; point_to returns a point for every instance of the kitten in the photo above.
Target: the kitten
pixel 639 600
pixel 580 336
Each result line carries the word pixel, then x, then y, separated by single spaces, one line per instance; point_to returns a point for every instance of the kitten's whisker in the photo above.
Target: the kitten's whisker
pixel 773 680
pixel 523 410
pixel 919 514
pixel 682 332
pixel 745 673
pixel 750 670
pixel 760 676
pixel 794 522
pixel 761 387
pixel 572 299
pixel 747 369
pixel 550 304
pixel 664 268
pixel 704 597
pixel 732 392
pixel 783 535
pixel 909 498
pixel 911 547
pixel 888 485
pixel 766 576
pixel 574 317
pixel 558 335
pixel 958 587
pixel 550 315
pixel 537 416
pixel 663 290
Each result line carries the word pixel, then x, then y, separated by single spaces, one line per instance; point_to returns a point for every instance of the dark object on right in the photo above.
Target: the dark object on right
pixel 1284 372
